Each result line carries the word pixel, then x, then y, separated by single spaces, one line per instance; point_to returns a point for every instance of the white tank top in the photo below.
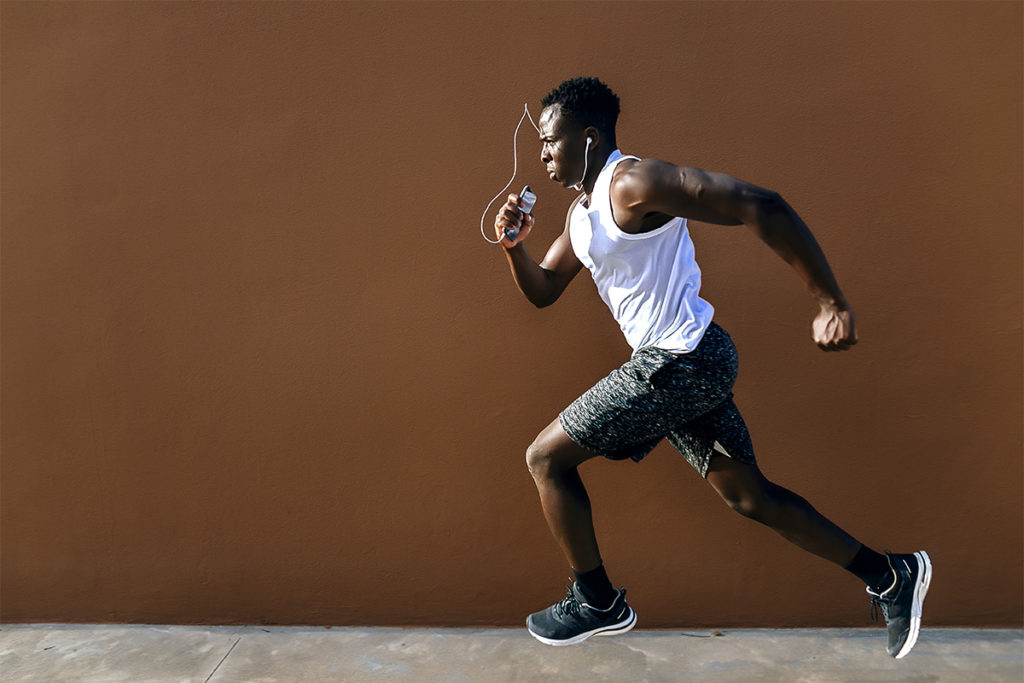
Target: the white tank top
pixel 650 281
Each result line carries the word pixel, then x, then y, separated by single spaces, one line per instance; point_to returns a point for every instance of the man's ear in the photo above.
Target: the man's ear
pixel 595 137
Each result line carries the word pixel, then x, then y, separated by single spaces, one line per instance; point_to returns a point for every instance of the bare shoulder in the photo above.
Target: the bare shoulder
pixel 637 181
pixel 655 187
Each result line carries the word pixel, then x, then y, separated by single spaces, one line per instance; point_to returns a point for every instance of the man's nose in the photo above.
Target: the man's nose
pixel 545 155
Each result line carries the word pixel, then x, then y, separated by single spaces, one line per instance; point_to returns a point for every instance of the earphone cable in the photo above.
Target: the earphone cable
pixel 515 169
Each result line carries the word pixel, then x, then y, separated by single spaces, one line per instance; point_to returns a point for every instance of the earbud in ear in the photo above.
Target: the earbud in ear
pixel 586 159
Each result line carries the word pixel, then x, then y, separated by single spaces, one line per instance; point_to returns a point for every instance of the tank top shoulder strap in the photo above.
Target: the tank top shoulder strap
pixel 602 200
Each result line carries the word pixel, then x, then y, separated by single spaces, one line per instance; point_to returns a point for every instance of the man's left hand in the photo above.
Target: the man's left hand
pixel 833 328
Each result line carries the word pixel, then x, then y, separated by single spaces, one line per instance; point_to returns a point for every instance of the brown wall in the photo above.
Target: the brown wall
pixel 258 365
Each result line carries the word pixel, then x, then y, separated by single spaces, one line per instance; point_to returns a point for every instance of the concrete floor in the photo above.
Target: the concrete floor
pixel 253 653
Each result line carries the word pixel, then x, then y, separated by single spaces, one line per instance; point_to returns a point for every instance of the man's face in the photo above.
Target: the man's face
pixel 563 146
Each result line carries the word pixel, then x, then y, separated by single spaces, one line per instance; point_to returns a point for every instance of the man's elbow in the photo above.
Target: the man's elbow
pixel 547 291
pixel 543 302
pixel 769 203
pixel 764 209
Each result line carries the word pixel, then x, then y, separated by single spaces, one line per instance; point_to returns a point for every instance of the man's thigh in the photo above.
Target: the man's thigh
pixel 628 412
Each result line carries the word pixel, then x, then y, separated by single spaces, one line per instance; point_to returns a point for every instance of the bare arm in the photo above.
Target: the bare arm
pixel 657 187
pixel 541 283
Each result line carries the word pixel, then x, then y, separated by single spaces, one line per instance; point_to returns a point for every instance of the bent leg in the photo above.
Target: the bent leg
pixel 552 459
pixel 748 492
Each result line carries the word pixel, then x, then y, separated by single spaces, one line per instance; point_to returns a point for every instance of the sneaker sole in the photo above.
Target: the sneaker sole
pixel 924 580
pixel 612 630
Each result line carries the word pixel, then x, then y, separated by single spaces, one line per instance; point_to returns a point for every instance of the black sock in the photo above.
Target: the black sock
pixel 872 568
pixel 596 587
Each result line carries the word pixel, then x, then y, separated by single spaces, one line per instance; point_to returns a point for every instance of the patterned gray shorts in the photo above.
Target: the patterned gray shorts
pixel 657 394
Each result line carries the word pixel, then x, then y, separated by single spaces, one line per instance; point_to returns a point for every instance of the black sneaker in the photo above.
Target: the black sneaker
pixel 901 602
pixel 572 620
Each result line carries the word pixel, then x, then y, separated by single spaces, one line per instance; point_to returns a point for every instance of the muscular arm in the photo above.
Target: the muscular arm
pixel 656 187
pixel 541 283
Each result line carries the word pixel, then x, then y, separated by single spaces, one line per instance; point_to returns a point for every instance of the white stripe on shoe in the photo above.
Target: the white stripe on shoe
pixel 610 630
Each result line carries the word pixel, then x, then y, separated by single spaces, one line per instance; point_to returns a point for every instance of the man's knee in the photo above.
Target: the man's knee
pixel 746 504
pixel 552 452
pixel 752 499
pixel 742 487
pixel 539 459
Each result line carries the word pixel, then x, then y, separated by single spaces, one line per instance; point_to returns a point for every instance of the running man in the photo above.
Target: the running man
pixel 628 228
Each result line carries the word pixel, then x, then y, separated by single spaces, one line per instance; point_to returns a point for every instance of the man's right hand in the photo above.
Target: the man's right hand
pixel 511 217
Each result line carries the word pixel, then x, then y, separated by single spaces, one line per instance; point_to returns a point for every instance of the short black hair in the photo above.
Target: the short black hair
pixel 589 101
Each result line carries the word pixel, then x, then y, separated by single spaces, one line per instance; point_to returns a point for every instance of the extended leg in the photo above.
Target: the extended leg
pixel 748 492
pixel 897 584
